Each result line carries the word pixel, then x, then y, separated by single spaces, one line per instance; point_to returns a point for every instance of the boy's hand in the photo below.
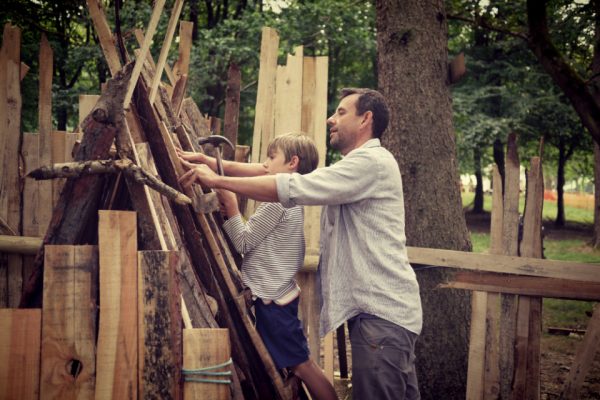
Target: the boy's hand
pixel 228 202
pixel 190 156
pixel 197 174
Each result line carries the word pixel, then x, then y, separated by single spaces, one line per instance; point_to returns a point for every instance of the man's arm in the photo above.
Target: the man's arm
pixel 261 188
pixel 231 168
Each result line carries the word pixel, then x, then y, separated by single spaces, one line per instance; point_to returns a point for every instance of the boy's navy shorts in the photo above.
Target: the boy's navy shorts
pixel 281 331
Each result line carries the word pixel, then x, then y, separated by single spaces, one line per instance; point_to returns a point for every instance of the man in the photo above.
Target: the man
pixel 364 273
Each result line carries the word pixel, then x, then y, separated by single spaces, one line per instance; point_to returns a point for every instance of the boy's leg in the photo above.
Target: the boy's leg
pixel 383 360
pixel 315 380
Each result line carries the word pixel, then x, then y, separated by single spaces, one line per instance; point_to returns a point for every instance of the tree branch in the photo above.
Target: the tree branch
pixel 483 23
pixel 131 170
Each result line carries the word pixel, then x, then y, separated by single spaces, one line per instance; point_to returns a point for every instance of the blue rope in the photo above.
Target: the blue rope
pixel 207 372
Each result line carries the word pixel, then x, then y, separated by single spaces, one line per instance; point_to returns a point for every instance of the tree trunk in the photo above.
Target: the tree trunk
pixel 478 201
pixel 560 183
pixel 499 159
pixel 596 237
pixel 412 62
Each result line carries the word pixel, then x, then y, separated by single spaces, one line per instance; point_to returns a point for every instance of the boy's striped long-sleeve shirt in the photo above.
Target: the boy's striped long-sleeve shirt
pixel 272 246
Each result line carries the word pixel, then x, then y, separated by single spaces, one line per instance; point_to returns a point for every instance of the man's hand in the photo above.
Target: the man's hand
pixel 197 174
pixel 229 203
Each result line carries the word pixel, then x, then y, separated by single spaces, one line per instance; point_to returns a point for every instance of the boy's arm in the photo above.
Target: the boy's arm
pixel 249 235
pixel 231 168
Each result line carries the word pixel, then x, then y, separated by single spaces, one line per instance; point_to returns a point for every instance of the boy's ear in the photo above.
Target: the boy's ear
pixel 293 164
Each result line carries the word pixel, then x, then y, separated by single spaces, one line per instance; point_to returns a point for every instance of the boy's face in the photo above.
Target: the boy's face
pixel 275 163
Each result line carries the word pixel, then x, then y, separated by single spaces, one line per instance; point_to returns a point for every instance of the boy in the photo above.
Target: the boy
pixel 272 244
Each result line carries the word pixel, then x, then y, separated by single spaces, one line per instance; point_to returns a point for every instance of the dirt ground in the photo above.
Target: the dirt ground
pixel 557 352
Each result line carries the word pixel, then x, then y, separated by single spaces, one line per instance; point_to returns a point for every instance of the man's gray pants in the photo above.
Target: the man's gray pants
pixel 383 360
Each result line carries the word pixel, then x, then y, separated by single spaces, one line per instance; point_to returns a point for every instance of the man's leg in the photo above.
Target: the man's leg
pixel 383 360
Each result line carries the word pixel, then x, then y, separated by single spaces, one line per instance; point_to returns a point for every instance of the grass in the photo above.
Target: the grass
pixel 556 312
pixel 576 211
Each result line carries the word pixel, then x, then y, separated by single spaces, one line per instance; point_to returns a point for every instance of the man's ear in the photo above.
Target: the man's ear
pixel 367 117
pixel 293 163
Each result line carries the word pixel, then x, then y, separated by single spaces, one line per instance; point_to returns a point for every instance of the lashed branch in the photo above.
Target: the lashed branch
pixel 133 171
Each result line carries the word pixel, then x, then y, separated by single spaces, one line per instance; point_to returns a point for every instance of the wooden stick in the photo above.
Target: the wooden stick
pixel 164 51
pixel 182 65
pixel 26 245
pixel 139 35
pixel 104 36
pixel 82 168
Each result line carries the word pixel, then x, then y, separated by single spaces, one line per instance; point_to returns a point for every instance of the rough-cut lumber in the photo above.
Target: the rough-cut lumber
pixel 139 64
pixel 206 355
pixel 45 130
pixel 139 35
pixel 20 338
pixel 86 105
pixel 69 324
pixel 476 369
pixel 182 65
pixel 179 94
pixel 524 285
pixel 160 341
pixel 117 333
pixel 23 71
pixel 288 98
pixel 76 211
pixel 164 51
pixel 20 244
pixel 584 358
pixel 10 138
pixel 232 109
pixel 104 36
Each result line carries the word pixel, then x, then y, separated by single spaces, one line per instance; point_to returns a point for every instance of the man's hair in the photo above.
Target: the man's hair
pixel 370 100
pixel 297 144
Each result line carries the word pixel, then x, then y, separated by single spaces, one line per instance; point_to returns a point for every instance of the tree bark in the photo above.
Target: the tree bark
pixel 412 62
pixel 560 183
pixel 596 237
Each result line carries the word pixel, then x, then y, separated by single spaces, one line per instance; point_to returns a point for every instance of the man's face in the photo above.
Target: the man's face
pixel 344 125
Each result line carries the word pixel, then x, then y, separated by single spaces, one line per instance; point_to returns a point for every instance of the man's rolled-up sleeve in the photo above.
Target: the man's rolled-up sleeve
pixel 349 180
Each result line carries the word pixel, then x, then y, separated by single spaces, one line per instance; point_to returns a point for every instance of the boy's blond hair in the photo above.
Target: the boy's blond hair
pixel 297 144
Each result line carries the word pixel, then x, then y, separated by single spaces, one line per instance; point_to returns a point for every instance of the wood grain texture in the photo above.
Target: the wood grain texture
pixel 68 367
pixel 117 333
pixel 20 353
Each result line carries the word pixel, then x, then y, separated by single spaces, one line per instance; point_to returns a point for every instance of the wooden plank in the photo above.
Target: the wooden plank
pixel 58 139
pixel 288 97
pixel 504 264
pixel 86 105
pixel 178 94
pixel 3 138
pixel 45 130
pixel 524 285
pixel 139 35
pixel 164 51
pixel 104 36
pixel 160 356
pixel 182 65
pixel 206 348
pixel 232 109
pixel 31 218
pixel 586 352
pixel 476 366
pixel 139 63
pixel 309 312
pixel 264 115
pixel 69 323
pixel 510 242
pixel 23 71
pixel 20 341
pixel 117 334
pixel 328 356
pixel 527 379
pixel 10 188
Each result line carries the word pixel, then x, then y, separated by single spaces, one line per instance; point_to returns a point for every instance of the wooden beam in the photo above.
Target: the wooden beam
pixel 68 368
pixel 584 358
pixel 232 109
pixel 139 63
pixel 104 36
pixel 164 51
pixel 26 245
pixel 476 369
pixel 524 285
pixel 206 350
pixel 45 130
pixel 182 65
pixel 288 98
pixel 117 363
pixel 20 341
pixel 160 341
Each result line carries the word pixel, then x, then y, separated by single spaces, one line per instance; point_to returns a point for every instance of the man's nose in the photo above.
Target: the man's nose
pixel 330 121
